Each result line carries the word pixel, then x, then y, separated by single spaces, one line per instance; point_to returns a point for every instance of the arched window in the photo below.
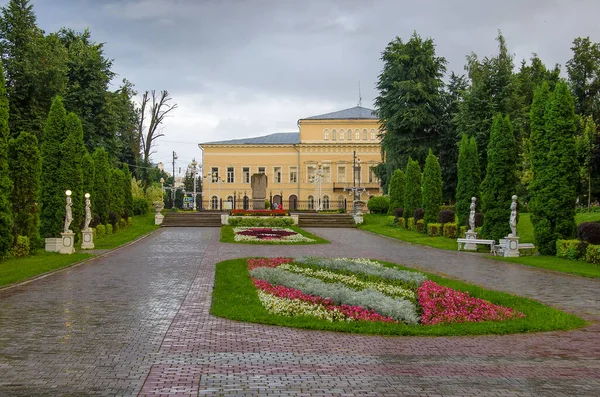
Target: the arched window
pixel 349 134
pixel 365 137
pixel 311 203
pixel 341 135
pixel 373 135
pixel 333 135
pixel 325 202
pixel 357 134
pixel 326 135
pixel 214 203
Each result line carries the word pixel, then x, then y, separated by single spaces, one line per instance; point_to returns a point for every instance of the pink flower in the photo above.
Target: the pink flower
pixel 267 262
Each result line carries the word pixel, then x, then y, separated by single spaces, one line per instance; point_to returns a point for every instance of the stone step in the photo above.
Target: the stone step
pixel 192 219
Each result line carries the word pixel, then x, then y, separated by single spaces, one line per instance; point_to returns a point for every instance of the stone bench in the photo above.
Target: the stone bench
pixel 498 249
pixel 462 241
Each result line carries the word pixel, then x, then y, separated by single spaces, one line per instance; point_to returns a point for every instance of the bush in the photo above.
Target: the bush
pixel 434 229
pixel 109 228
pixel 571 249
pixel 420 226
pixel 390 221
pixel 268 205
pixel 141 205
pixel 399 212
pixel 130 221
pixel 418 214
pixel 122 223
pixel 116 227
pixel 462 231
pixel 255 222
pixel 95 220
pixel 592 254
pixel 478 219
pixel 589 231
pixel 396 191
pixel 21 248
pixel 450 230
pixel 410 225
pixel 448 208
pixel 378 204
pixel 113 218
pixel 100 230
pixel 446 216
pixel 401 222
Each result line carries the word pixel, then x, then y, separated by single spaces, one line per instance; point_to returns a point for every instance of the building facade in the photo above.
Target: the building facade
pixel 314 168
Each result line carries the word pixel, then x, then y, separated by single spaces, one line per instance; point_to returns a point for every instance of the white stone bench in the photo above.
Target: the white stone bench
pixel 498 249
pixel 462 241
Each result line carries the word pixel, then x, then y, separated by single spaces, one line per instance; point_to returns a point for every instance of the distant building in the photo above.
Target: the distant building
pixel 324 145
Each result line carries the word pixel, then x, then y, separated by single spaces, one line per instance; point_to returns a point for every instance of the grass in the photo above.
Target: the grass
pixel 15 270
pixel 578 268
pixel 235 297
pixel 228 236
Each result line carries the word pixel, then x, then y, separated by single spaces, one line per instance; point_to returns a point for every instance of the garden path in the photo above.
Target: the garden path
pixel 137 321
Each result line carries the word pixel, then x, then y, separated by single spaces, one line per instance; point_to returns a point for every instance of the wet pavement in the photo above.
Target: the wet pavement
pixel 137 322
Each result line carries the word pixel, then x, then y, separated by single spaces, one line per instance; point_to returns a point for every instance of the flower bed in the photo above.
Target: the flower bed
pixel 342 289
pixel 259 213
pixel 271 234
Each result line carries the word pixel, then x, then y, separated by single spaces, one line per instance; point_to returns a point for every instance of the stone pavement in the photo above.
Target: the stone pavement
pixel 137 322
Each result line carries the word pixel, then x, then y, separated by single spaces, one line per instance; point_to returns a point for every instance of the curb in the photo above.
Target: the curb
pixel 76 264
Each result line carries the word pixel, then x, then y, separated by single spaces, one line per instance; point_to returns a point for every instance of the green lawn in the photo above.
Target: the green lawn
pixel 228 236
pixel 578 268
pixel 14 270
pixel 235 297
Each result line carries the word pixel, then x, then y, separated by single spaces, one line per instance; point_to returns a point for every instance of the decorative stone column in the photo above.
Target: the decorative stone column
pixel 68 243
pixel 511 246
pixel 87 234
pixel 158 217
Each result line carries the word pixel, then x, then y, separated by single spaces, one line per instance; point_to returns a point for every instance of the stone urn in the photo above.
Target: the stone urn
pixel 158 217
pixel 359 205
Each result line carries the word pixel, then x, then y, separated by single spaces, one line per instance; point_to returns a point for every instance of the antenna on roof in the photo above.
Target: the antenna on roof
pixel 359 96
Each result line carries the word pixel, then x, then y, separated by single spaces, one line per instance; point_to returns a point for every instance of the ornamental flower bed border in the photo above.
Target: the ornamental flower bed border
pixel 259 213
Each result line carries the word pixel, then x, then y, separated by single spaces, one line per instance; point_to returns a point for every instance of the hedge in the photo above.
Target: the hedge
pixel 450 230
pixel 255 222
pixel 434 229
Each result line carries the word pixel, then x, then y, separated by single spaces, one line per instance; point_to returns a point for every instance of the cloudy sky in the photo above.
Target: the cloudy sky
pixel 246 68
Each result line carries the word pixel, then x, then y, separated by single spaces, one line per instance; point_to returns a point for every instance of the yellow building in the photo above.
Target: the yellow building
pixel 310 169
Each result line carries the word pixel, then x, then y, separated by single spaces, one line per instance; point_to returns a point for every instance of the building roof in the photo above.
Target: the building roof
pixel 278 138
pixel 354 113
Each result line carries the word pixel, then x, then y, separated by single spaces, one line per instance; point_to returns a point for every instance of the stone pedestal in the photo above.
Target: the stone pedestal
pixel 88 239
pixel 258 204
pixel 158 218
pixel 68 243
pixel 358 219
pixel 511 246
pixel 470 235
pixel 53 244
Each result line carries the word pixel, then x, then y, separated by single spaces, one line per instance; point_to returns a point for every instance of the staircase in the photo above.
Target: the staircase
pixel 192 219
pixel 325 220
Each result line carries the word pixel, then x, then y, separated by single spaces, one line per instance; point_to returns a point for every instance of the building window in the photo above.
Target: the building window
pixel 357 174
pixel 261 170
pixel 246 174
pixel 357 134
pixel 293 174
pixel 326 135
pixel 214 174
pixel 214 203
pixel 341 135
pixel 327 174
pixel 372 176
pixel 365 135
pixel 325 202
pixel 277 174
pixel 333 135
pixel 341 173
pixel 310 173
pixel 230 175
pixel 349 135
pixel 311 203
pixel 373 135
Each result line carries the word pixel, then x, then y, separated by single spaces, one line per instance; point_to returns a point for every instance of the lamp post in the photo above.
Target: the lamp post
pixel 355 189
pixel 194 164
pixel 317 179
pixel 208 177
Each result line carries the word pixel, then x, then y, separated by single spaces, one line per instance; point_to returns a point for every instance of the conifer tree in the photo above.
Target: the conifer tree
pixel 554 165
pixel 52 195
pixel 500 179
pixel 396 191
pixel 469 178
pixel 101 203
pixel 6 220
pixel 128 196
pixel 412 188
pixel 117 196
pixel 25 166
pixel 71 170
pixel 87 167
pixel 432 189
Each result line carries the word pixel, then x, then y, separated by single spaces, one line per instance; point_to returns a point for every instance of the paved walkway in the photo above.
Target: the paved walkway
pixel 136 322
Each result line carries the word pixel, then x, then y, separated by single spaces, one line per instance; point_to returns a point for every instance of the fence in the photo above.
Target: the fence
pixel 245 203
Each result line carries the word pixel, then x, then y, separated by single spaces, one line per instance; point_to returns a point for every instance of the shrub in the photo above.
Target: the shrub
pixel 100 230
pixel 113 218
pixel 268 205
pixel 122 223
pixel 116 227
pixel 446 216
pixel 21 248
pixel 420 226
pixel 448 208
pixel 396 190
pixel 469 178
pixel 589 231
pixel 434 229
pixel 255 222
pixel 410 225
pixel 432 188
pixel 450 230
pixel 592 254
pixel 399 212
pixel 401 222
pixel 418 214
pixel 109 228
pixel 130 221
pixel 571 249
pixel 141 205
pixel 391 221
pixel 478 219
pixel 95 220
pixel 378 204
pixel 412 187
pixel 462 231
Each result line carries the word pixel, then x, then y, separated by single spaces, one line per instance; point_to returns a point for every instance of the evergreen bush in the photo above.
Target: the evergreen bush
pixel 141 206
pixel 432 188
pixel 71 168
pixel 589 231
pixel 412 188
pixel 100 230
pixel 434 229
pixel 469 178
pixel 418 214
pixel 127 193
pixel 130 221
pixel 571 249
pixel 102 184
pixel 109 228
pixel 400 222
pixel 450 230
pixel 396 191
pixel 399 212
pixel 117 195
pixel 6 219
pixel 410 224
pixel 446 216
pixel 22 247
pixel 420 226
pixel 592 254
pixel 122 223
pixel 378 204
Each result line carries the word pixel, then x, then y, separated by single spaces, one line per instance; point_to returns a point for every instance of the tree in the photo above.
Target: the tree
pixel 586 147
pixel 469 178
pixel 25 169
pixel 432 189
pixel 159 108
pixel 88 176
pixel 52 195
pixel 71 168
pixel 554 164
pixel 396 191
pixel 584 76
pixel 102 185
pixel 500 180
pixel 127 194
pixel 409 103
pixel 6 220
pixel 117 195
pixel 412 188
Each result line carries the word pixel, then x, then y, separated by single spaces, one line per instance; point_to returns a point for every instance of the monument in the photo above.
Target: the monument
pixel 87 234
pixel 259 191
pixel 511 242
pixel 471 234
pixel 68 237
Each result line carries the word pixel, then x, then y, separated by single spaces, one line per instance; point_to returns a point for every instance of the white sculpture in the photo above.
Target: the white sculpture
pixel 88 213
pixel 69 213
pixel 513 217
pixel 472 215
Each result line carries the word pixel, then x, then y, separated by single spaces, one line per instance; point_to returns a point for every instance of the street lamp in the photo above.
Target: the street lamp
pixel 317 179
pixel 355 189
pixel 194 164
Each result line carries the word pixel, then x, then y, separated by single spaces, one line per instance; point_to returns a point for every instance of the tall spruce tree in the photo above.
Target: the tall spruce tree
pixel 128 196
pixel 469 178
pixel 396 191
pixel 6 220
pixel 52 195
pixel 101 198
pixel 500 181
pixel 432 189
pixel 71 170
pixel 87 167
pixel 25 166
pixel 555 173
pixel 412 188
pixel 117 195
